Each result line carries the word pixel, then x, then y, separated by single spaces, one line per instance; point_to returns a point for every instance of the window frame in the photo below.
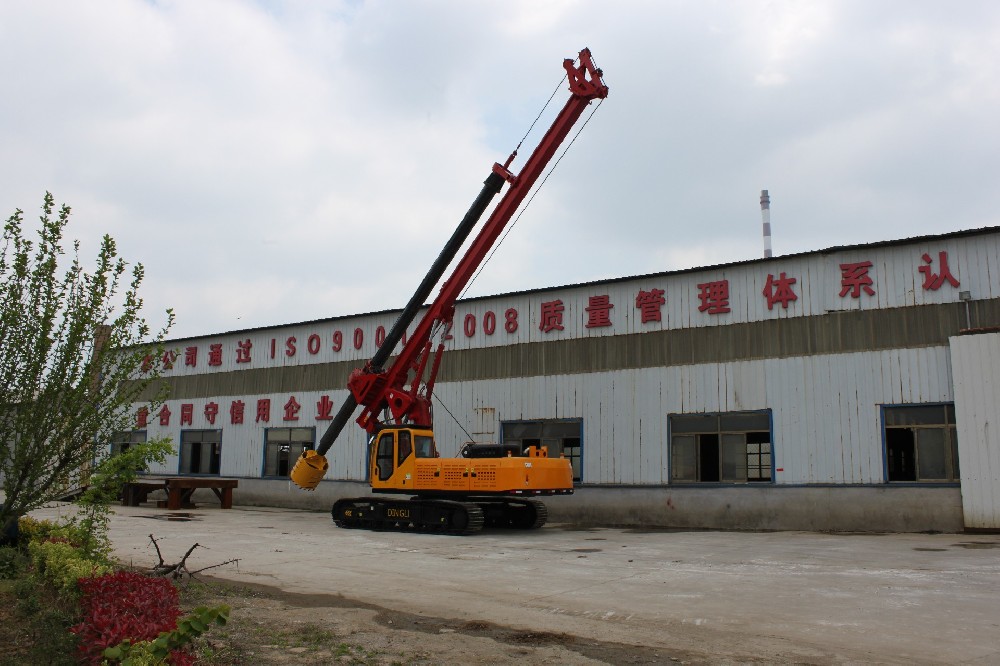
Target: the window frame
pixel 720 434
pixel 948 427
pixel 576 459
pixel 385 452
pixel 291 461
pixel 127 437
pixel 181 460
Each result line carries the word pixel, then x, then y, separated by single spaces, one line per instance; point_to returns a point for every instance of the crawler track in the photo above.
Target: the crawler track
pixel 417 515
pixel 514 514
pixel 443 516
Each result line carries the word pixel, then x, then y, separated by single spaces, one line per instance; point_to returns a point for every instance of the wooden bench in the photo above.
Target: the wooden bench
pixel 180 489
pixel 136 492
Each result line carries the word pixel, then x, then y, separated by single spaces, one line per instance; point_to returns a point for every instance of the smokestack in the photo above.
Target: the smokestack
pixel 765 216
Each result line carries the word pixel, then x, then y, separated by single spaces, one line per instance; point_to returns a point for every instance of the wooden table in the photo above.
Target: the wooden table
pixel 136 492
pixel 179 490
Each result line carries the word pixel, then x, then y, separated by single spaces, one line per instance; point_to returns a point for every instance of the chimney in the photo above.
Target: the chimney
pixel 765 215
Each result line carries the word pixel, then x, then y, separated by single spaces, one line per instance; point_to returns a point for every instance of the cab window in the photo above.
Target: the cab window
pixel 425 447
pixel 405 448
pixel 383 456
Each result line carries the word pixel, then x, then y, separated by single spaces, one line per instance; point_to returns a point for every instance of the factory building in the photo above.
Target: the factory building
pixel 853 388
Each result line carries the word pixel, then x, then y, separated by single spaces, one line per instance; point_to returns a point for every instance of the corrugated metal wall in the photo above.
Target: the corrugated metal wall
pixel 825 410
pixel 823 365
pixel 243 444
pixel 897 282
pixel 976 363
pixel 825 414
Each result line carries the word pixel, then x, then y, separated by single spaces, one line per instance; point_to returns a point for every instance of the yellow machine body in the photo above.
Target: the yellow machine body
pixel 406 460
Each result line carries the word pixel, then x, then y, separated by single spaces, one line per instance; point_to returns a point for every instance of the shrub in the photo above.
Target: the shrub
pixel 123 606
pixel 33 530
pixel 170 644
pixel 141 653
pixel 37 624
pixel 43 530
pixel 62 564
pixel 12 562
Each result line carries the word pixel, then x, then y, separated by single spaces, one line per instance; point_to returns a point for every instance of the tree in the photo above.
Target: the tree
pixel 72 350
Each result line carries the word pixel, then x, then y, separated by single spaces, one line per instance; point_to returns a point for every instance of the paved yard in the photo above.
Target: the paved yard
pixel 726 596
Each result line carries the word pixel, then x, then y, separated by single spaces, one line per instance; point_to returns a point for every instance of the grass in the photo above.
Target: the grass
pixel 249 639
pixel 34 623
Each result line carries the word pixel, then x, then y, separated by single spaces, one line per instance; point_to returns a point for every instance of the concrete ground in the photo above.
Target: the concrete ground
pixel 716 596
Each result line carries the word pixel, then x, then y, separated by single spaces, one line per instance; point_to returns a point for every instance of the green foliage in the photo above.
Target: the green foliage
pixel 167 643
pixel 72 345
pixel 61 564
pixel 37 630
pixel 12 563
pixel 37 531
pixel 140 653
pixel 32 529
pixel 106 484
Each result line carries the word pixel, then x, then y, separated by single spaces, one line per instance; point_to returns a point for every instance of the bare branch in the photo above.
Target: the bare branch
pixel 180 570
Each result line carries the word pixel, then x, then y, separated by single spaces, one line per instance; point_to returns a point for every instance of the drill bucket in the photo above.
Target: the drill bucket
pixel 309 470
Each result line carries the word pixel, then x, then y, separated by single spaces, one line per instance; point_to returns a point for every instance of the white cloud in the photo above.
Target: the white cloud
pixel 273 162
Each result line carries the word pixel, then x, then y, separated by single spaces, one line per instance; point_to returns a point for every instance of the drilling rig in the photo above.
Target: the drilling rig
pixel 492 485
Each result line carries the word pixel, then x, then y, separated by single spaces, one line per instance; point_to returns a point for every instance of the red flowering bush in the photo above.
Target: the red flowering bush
pixel 120 606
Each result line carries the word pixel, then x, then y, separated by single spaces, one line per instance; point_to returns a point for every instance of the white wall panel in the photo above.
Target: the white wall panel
pixel 825 413
pixel 976 367
pixel 974 261
pixel 243 444
pixel 825 408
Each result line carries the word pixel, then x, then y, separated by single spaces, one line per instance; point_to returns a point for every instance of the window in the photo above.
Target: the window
pixel 561 437
pixel 730 447
pixel 201 451
pixel 121 441
pixel 283 446
pixel 405 448
pixel 921 443
pixel 383 456
pixel 425 446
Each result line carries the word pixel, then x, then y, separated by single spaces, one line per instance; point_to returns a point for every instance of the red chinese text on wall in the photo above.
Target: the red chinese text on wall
pixel 934 281
pixel 649 304
pixel 551 318
pixel 237 409
pixel 714 297
pixel 779 291
pixel 292 408
pixel 598 311
pixel 215 354
pixel 291 412
pixel 211 411
pixel 324 409
pixel 854 279
pixel 243 351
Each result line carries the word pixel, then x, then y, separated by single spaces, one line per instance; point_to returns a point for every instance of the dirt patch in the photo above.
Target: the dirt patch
pixel 271 626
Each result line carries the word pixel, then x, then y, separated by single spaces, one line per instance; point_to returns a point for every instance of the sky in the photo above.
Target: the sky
pixel 279 162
